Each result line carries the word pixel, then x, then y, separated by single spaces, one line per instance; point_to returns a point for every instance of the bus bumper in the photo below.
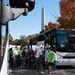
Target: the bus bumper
pixel 65 62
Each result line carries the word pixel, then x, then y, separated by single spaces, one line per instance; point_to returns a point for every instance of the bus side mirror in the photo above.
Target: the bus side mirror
pixel 29 4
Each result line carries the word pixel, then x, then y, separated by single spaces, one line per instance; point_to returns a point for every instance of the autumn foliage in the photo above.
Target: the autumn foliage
pixel 50 26
pixel 29 38
pixel 67 11
pixel 53 25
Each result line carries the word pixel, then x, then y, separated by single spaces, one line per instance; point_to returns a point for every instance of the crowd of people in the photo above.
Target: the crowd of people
pixel 28 58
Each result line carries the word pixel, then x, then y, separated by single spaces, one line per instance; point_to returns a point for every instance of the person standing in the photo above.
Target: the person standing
pixel 38 57
pixel 10 51
pixel 23 57
pixel 31 58
pixel 55 56
pixel 46 58
pixel 50 60
pixel 15 55
pixel 55 59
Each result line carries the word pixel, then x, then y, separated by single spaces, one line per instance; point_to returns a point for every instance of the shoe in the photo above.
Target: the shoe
pixel 42 72
pixel 21 67
pixel 49 73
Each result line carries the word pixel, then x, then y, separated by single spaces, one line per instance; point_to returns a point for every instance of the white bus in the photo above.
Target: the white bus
pixel 64 41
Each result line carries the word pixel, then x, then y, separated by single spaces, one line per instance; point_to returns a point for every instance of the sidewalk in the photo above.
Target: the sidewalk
pixel 33 72
pixel 60 72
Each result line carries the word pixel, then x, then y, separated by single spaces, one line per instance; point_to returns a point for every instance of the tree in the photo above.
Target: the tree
pixel 67 11
pixel 10 38
pixel 28 38
pixel 50 26
pixel 53 25
pixel 22 37
pixel 22 40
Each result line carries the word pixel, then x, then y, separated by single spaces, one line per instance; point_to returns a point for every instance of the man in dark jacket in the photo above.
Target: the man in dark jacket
pixel 31 58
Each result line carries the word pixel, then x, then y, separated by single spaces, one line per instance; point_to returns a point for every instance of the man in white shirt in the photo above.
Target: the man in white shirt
pixel 38 57
pixel 15 55
pixel 46 55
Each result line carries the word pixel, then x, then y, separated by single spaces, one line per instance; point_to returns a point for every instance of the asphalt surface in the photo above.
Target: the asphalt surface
pixel 19 71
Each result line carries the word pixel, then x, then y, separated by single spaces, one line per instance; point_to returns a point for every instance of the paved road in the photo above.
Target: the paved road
pixel 59 71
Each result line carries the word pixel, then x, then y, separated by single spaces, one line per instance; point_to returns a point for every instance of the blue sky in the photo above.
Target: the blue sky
pixel 31 24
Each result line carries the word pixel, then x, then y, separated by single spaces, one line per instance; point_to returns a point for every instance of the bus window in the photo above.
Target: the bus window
pixel 62 39
pixel 72 39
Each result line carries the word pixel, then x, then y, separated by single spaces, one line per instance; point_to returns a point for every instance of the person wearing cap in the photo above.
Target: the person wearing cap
pixel 50 60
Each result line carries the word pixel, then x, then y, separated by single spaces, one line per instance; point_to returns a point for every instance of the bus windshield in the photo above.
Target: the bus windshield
pixel 62 39
pixel 66 40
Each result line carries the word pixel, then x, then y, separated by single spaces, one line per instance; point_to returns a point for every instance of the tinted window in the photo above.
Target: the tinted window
pixel 72 38
pixel 62 38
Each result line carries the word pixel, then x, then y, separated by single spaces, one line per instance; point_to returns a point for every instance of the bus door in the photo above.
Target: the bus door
pixel 50 39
